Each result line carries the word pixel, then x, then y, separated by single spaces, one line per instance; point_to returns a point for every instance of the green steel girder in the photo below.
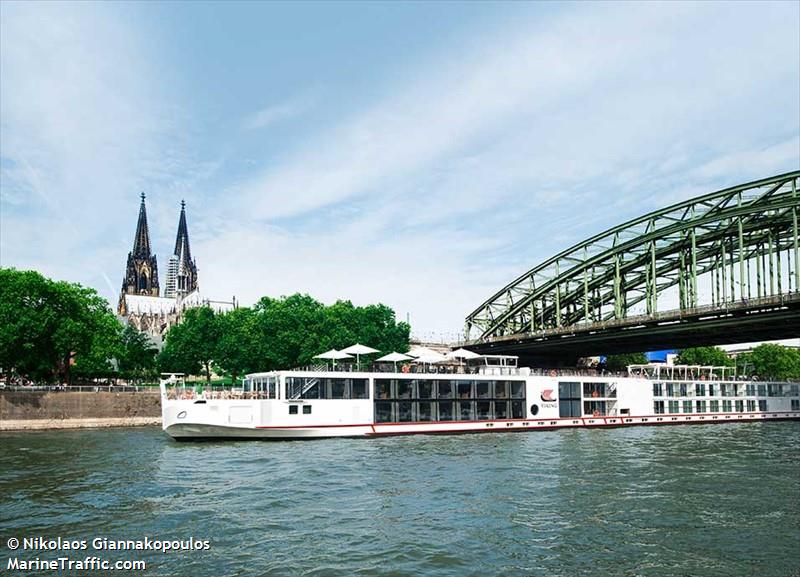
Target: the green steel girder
pixel 745 236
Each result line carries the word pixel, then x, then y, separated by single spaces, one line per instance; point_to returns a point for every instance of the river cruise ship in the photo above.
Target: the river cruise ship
pixel 493 395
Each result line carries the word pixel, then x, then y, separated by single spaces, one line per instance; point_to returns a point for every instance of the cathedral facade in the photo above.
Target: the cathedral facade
pixel 140 303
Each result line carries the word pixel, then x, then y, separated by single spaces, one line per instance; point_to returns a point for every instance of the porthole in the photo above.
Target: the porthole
pixel 534 409
pixel 182 415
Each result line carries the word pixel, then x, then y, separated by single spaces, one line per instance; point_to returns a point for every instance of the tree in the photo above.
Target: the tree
pixel 771 361
pixel 137 355
pixel 620 362
pixel 191 346
pixel 47 325
pixel 704 356
pixel 293 329
pixel 239 349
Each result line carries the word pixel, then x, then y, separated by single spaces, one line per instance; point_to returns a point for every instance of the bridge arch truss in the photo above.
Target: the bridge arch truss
pixel 731 246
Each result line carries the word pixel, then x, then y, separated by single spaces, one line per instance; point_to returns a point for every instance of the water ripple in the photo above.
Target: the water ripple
pixel 677 501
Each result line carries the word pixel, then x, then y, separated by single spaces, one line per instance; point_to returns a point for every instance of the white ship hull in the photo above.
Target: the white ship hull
pixel 307 404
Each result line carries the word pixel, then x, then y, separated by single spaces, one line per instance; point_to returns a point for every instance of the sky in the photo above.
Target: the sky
pixel 421 155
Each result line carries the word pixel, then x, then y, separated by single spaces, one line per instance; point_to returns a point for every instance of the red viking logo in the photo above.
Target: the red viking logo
pixel 547 395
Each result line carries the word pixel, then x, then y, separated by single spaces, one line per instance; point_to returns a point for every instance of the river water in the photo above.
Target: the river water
pixel 701 500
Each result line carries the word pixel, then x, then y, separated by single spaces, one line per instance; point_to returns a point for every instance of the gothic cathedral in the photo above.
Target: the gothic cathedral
pixel 139 301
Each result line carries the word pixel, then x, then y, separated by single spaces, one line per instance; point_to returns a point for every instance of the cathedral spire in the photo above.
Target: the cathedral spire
pixel 141 272
pixel 182 238
pixel 141 243
pixel 182 270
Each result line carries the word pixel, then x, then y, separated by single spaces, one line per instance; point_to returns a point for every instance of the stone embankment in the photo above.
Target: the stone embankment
pixel 31 410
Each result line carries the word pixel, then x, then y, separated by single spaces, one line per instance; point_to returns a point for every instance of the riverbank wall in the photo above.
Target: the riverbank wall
pixel 33 410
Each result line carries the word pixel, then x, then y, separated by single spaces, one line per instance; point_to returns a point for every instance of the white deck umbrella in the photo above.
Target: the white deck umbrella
pixel 430 359
pixel 333 354
pixel 463 354
pixel 394 358
pixel 420 352
pixel 359 350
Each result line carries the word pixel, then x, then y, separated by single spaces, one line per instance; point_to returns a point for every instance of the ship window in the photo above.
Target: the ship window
pixel 306 409
pixel 712 390
pixel 684 389
pixel 795 405
pixel 359 388
pixel 464 389
pixel 700 389
pixel 445 410
pixel 569 400
pixel 673 406
pixel 751 390
pixel 482 389
pixel 594 408
pixel 774 390
pixel 569 390
pixel 762 390
pixel 382 389
pixel 658 407
pixel 671 390
pixel 483 410
pixel 687 406
pixel 501 390
pixel 658 390
pixel 425 411
pixel 425 389
pixel 534 410
pixel 727 406
pixel 594 390
pixel 292 409
pixel 501 409
pixel 739 406
pixel 762 405
pixel 701 406
pixel 445 390
pixel 714 406
pixel 404 389
pixel 383 412
pixel 517 410
pixel 465 411
pixel 517 389
pixel 337 388
pixel 404 412
pixel 751 405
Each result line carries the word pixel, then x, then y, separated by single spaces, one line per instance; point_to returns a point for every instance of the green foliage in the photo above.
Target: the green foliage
pixel 276 334
pixel 239 349
pixel 192 345
pixel 293 329
pixel 46 326
pixel 621 362
pixel 137 355
pixel 704 356
pixel 771 362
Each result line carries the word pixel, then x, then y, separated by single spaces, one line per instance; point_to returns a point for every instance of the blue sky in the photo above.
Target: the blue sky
pixel 417 154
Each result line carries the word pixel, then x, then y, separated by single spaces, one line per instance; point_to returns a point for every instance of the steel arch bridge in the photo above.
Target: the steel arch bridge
pixel 729 259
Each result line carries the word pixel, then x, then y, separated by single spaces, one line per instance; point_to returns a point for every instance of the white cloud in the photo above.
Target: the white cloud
pixel 275 113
